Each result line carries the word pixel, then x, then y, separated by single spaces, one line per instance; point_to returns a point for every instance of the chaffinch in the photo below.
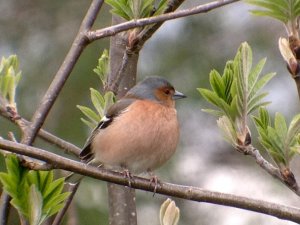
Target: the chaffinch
pixel 140 131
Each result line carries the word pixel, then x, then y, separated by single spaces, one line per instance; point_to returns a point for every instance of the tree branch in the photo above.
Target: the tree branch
pixel 264 164
pixel 112 30
pixel 4 208
pixel 45 135
pixel 179 191
pixel 73 188
pixel 63 73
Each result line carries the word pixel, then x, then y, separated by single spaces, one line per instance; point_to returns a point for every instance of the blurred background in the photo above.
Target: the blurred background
pixel 184 51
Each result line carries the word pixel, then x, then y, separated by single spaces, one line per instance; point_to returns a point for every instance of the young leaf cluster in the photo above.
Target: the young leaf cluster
pixel 236 93
pixel 100 102
pixel 280 141
pixel 9 79
pixel 282 10
pixel 136 9
pixel 35 194
pixel 102 69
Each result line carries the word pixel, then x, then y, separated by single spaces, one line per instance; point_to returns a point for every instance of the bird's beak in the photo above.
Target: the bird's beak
pixel 178 95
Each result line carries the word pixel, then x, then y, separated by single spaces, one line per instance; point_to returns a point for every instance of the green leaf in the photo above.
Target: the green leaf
pixel 229 132
pixel 255 72
pixel 255 102
pixel 109 100
pixel 34 193
pixel 35 205
pixel 213 112
pixel 216 83
pixel 281 10
pixel 121 8
pixel 260 84
pixel 102 68
pixel 9 79
pixel 280 126
pixel 54 189
pixel 92 125
pixel 98 101
pixel 161 7
pixel 89 113
pixel 55 200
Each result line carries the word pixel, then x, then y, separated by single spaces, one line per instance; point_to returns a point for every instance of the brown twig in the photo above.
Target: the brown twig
pixel 179 191
pixel 117 80
pixel 73 188
pixel 112 30
pixel 63 73
pixel 268 167
pixel 4 208
pixel 47 136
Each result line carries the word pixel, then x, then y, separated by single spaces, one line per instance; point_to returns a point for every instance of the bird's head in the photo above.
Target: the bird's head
pixel 156 89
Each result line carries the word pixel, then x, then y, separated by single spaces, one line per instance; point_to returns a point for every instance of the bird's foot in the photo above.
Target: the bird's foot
pixel 153 180
pixel 127 175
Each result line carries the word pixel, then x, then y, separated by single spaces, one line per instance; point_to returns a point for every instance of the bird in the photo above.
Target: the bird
pixel 139 132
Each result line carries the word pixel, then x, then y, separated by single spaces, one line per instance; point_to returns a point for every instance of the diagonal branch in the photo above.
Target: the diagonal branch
pixel 63 73
pixel 4 208
pixel 112 30
pixel 72 189
pixel 179 191
pixel 45 135
pixel 264 164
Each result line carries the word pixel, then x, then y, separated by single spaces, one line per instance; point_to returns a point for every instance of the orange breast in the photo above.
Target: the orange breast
pixel 142 138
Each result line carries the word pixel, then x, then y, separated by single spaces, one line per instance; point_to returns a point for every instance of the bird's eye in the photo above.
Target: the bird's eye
pixel 167 91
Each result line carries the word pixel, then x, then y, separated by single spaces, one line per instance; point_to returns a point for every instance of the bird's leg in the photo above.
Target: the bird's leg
pixel 154 180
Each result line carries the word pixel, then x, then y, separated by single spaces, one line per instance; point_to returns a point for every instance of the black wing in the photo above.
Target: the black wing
pixel 115 110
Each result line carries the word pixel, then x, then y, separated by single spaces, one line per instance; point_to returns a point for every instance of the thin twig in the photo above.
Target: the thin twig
pixel 60 215
pixel 63 73
pixel 4 208
pixel 116 82
pixel 48 137
pixel 180 191
pixel 274 171
pixel 112 30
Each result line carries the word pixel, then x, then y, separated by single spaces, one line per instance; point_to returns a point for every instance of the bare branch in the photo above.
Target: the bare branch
pixel 46 136
pixel 4 208
pixel 179 191
pixel 63 73
pixel 112 30
pixel 73 188
pixel 268 167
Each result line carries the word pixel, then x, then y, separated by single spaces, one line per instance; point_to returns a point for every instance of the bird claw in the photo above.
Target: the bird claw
pixel 127 175
pixel 154 180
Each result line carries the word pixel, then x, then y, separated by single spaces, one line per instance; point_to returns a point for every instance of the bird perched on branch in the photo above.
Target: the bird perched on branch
pixel 140 132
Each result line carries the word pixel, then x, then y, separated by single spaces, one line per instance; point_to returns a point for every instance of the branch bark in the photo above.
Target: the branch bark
pixel 112 30
pixel 268 167
pixel 4 208
pixel 179 191
pixel 60 215
pixel 46 136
